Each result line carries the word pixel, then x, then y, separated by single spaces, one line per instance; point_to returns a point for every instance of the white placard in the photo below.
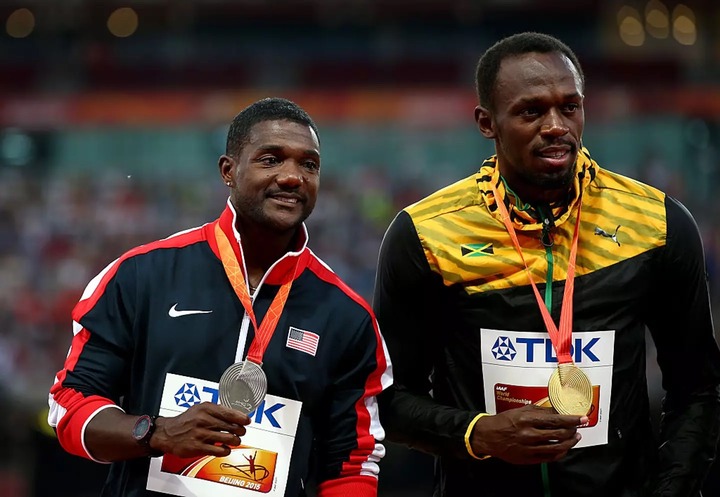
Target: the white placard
pixel 258 467
pixel 517 365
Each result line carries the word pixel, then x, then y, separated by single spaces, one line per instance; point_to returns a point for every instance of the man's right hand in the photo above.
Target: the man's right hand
pixel 204 429
pixel 526 435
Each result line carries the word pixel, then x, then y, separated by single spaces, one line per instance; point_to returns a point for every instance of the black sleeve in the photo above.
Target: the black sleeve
pixel 680 321
pixel 407 305
pixel 103 364
pixel 96 370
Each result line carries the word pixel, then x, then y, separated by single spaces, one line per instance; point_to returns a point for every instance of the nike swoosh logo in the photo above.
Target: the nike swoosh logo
pixel 174 313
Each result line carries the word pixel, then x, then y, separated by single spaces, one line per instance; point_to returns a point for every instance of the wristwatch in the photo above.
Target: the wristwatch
pixel 143 430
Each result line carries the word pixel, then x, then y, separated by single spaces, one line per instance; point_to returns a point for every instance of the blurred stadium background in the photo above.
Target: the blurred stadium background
pixel 112 116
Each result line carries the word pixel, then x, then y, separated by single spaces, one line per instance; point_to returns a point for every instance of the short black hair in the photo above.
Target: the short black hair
pixel 518 44
pixel 267 109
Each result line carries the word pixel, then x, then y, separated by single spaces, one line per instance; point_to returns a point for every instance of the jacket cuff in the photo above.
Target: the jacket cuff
pixel 468 434
pixel 349 486
pixel 71 428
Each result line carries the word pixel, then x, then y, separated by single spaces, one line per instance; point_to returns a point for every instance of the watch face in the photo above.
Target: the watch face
pixel 142 426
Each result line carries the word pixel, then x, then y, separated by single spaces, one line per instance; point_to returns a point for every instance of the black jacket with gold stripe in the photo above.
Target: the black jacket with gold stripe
pixel 449 275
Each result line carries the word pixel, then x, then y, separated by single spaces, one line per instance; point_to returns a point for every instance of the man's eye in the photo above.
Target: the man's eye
pixel 312 165
pixel 571 107
pixel 530 111
pixel 270 161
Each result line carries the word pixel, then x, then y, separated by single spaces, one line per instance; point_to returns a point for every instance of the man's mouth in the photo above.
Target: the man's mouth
pixel 289 199
pixel 555 156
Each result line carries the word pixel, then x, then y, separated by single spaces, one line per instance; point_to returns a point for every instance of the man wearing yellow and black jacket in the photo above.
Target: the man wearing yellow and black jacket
pixel 492 291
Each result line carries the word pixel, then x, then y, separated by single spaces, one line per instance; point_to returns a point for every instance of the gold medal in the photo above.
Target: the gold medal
pixel 570 390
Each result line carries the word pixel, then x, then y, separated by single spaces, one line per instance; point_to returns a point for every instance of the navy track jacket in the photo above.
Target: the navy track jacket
pixel 130 332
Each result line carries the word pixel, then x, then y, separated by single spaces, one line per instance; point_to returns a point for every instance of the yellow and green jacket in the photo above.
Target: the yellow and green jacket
pixel 448 269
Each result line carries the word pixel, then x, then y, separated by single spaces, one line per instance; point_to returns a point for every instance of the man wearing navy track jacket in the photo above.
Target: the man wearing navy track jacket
pixel 155 330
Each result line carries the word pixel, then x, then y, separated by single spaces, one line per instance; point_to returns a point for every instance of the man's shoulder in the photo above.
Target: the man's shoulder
pixel 332 289
pixel 452 198
pixel 610 182
pixel 150 255
pixel 178 240
pixel 639 210
pixel 144 265
pixel 340 313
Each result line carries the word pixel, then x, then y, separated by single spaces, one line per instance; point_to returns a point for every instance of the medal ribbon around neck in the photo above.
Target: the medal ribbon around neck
pixel 234 272
pixel 560 336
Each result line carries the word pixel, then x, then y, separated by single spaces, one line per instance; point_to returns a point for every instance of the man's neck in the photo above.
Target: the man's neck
pixel 262 248
pixel 534 195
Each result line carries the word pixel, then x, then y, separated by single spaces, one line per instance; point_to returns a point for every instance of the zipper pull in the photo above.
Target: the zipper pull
pixel 546 238
pixel 547 225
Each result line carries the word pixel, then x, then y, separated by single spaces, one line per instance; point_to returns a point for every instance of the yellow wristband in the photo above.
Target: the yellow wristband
pixel 469 432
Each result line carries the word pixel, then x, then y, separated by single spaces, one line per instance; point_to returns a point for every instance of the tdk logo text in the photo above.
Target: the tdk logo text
pixel 539 349
pixel 188 395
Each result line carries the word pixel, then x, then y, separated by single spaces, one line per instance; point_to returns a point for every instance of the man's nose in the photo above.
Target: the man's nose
pixel 554 124
pixel 290 174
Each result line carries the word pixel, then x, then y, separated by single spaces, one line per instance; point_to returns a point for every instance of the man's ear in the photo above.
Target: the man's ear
pixel 226 165
pixel 484 121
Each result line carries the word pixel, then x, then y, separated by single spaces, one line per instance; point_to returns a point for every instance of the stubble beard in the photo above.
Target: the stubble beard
pixel 554 181
pixel 256 213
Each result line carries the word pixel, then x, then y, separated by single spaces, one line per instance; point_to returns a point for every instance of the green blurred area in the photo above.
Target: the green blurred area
pixel 621 146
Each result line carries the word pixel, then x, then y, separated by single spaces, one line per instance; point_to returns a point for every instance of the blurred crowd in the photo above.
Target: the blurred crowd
pixel 58 230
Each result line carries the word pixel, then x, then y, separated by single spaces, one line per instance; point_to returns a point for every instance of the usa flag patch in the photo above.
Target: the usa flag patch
pixel 302 340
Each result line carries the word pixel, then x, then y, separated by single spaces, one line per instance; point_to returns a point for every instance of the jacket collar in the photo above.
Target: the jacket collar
pixel 282 269
pixel 525 216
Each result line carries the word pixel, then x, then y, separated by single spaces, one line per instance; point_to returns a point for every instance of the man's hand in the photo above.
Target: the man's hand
pixel 204 429
pixel 526 435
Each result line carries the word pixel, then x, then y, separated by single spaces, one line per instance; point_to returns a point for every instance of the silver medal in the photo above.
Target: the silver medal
pixel 243 386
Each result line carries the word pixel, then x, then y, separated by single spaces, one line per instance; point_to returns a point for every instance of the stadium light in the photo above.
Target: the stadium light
pixel 20 23
pixel 123 22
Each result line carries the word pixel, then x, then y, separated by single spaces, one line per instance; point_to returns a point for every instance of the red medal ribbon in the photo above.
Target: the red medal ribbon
pixel 234 272
pixel 561 337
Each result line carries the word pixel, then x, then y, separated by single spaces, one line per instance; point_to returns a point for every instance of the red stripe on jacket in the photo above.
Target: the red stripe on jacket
pixel 77 405
pixel 175 241
pixel 373 386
